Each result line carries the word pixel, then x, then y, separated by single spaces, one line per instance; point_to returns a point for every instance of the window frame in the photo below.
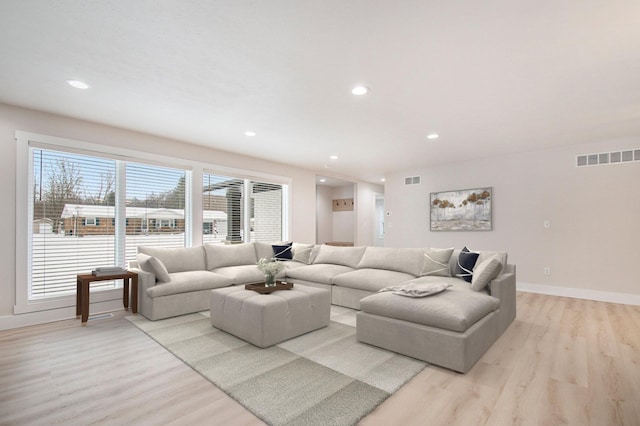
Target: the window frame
pixel 193 205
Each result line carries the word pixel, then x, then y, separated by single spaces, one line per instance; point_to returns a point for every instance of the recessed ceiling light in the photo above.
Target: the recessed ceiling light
pixel 433 136
pixel 333 157
pixel 249 133
pixel 360 90
pixel 383 180
pixel 78 84
pixel 323 180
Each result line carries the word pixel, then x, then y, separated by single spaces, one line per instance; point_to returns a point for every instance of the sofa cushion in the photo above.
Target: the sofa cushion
pixel 178 259
pixel 371 279
pixel 220 255
pixel 455 309
pixel 242 274
pixel 185 282
pixel 408 260
pixel 318 273
pixel 346 256
pixel 466 261
pixel 302 252
pixel 436 262
pixel 484 272
pixel 153 265
pixel 263 250
pixel 292 264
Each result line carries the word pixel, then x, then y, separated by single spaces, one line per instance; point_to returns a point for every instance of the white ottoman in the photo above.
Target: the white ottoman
pixel 267 319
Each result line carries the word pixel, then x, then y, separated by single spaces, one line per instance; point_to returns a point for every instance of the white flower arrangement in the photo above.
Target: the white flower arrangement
pixel 271 266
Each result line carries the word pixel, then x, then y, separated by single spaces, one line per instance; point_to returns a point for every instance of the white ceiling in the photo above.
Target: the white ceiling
pixel 488 76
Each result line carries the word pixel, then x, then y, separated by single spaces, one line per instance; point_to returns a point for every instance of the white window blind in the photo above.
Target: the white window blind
pixel 266 214
pixel 155 207
pixel 222 209
pixel 75 222
pixel 72 230
pixel 225 207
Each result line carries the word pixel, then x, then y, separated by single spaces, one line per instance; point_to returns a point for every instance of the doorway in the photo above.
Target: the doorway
pixel 335 211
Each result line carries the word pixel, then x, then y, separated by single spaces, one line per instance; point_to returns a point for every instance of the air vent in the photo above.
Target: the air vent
pixel 614 157
pixel 412 180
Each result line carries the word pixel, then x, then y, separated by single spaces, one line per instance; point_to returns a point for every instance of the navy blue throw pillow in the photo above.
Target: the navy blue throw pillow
pixel 282 252
pixel 466 262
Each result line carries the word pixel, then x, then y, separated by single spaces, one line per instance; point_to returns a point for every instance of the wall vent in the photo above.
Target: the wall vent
pixel 412 180
pixel 613 157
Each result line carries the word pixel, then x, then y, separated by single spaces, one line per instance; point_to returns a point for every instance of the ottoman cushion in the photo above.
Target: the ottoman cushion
pixel 454 310
pixel 267 319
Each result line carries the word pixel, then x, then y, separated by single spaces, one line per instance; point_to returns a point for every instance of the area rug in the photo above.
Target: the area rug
pixel 325 377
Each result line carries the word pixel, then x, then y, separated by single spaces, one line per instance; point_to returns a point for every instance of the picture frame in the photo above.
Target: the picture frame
pixel 462 210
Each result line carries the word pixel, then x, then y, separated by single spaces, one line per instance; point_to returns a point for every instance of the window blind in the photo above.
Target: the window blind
pixel 266 211
pixel 155 207
pixel 222 209
pixel 225 207
pixel 76 228
pixel 72 231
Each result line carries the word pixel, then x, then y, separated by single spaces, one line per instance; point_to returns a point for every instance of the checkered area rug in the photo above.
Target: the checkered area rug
pixel 325 377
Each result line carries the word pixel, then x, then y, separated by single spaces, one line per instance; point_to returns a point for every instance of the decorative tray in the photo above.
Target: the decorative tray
pixel 262 289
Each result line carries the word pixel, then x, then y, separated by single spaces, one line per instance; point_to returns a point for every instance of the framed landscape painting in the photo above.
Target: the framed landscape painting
pixel 463 210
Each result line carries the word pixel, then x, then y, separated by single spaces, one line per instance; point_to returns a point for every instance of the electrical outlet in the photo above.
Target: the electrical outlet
pixel 547 270
pixel 546 224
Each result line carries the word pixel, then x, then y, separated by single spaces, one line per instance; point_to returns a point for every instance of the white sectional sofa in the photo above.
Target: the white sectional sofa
pixel 452 329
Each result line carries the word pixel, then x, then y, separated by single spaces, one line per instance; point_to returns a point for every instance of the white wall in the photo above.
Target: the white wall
pixel 366 213
pixel 324 214
pixel 302 220
pixel 378 232
pixel 592 245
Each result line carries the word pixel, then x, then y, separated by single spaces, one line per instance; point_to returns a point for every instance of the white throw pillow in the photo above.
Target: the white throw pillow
pixel 436 262
pixel 154 266
pixel 485 272
pixel 302 252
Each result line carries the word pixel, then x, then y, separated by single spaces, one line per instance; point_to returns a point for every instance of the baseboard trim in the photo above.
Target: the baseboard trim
pixel 580 293
pixel 10 322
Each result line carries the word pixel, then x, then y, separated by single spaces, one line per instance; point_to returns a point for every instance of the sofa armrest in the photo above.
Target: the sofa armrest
pixel 504 288
pixel 145 279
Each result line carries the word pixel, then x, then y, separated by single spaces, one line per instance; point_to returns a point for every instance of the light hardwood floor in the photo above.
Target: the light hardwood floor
pixel 563 361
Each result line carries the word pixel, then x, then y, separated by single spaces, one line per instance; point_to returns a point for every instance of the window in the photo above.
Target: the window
pixel 75 198
pixel 229 216
pixel 166 223
pixel 222 209
pixel 69 192
pixel 266 211
pixel 155 207
pixel 79 207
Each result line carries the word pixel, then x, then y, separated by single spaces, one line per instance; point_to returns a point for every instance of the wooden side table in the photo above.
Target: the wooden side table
pixel 82 291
